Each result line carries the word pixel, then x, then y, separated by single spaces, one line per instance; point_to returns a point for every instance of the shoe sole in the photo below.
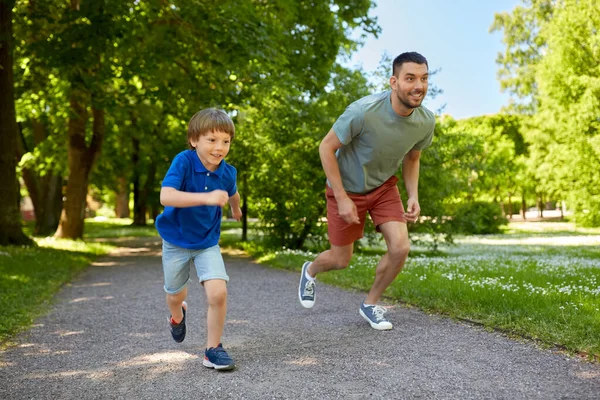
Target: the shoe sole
pixel 305 303
pixel 208 364
pixel 374 325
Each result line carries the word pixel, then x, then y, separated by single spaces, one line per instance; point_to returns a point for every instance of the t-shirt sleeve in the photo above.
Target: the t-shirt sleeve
pixel 349 124
pixel 426 141
pixel 177 172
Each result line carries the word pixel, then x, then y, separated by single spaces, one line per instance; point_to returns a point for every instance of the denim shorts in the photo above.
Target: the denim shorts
pixel 177 262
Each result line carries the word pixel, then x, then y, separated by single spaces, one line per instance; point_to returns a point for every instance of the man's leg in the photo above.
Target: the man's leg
pixel 338 257
pixel 398 245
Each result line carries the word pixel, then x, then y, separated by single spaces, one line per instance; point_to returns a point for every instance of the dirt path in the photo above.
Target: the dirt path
pixel 106 338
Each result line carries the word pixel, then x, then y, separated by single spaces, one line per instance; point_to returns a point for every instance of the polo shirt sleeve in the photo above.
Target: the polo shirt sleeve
pixel 177 172
pixel 232 189
pixel 349 124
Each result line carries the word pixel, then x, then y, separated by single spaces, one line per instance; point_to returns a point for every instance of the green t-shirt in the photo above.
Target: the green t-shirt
pixel 376 139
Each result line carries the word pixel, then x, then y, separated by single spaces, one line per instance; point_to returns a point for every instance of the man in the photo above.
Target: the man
pixel 360 157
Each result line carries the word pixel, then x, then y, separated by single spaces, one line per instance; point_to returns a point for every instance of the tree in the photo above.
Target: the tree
pixel 552 56
pixel 10 219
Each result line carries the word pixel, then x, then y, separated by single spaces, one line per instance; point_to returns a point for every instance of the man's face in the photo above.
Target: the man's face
pixel 410 84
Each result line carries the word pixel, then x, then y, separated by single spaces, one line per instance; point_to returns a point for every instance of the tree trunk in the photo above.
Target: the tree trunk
pixel 45 191
pixel 81 160
pixel 244 208
pixel 139 200
pixel 11 231
pixel 122 199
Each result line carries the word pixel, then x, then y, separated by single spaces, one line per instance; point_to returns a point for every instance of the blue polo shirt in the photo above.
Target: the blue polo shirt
pixel 194 227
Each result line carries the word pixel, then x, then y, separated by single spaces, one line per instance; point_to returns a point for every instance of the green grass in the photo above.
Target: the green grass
pixel 30 276
pixel 538 281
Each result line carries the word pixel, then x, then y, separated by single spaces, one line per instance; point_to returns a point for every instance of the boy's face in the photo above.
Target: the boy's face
pixel 212 148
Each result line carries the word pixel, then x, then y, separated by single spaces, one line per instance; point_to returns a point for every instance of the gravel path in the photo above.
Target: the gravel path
pixel 106 338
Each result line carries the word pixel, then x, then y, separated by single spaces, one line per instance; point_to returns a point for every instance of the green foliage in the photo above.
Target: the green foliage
pixel 278 161
pixel 478 218
pixel 551 57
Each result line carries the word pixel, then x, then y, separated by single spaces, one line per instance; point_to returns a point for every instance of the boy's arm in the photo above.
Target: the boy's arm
pixel 234 203
pixel 410 174
pixel 176 198
pixel 327 149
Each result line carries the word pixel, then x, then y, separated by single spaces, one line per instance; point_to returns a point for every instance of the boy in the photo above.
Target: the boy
pixel 197 185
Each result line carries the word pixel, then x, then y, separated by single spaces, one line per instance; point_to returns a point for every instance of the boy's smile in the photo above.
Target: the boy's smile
pixel 212 148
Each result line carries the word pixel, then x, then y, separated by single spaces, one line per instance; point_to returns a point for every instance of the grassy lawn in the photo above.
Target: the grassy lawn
pixel 538 280
pixel 31 276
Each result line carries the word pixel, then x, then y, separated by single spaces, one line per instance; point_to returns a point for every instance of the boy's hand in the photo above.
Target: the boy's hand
pixel 217 198
pixel 236 213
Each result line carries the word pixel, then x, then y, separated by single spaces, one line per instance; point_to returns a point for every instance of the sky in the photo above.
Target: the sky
pixel 454 37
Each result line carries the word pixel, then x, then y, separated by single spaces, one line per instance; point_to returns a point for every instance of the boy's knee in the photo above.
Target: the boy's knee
pixel 217 297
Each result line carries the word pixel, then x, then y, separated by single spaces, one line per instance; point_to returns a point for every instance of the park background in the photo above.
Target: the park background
pixel 95 99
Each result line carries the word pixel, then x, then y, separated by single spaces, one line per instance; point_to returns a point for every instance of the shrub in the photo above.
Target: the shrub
pixel 479 218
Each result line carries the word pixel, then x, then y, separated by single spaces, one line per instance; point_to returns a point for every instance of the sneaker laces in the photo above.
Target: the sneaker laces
pixel 309 289
pixel 378 312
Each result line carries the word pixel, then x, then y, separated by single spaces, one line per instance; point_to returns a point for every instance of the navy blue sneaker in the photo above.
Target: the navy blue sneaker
pixel 306 288
pixel 217 358
pixel 374 315
pixel 178 330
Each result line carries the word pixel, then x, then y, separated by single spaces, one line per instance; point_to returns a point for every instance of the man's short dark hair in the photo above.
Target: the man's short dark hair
pixel 410 56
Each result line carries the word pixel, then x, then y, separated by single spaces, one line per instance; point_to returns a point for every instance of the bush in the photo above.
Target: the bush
pixel 478 218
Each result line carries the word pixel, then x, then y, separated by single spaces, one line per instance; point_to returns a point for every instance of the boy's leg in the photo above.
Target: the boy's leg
pixel 176 267
pixel 175 304
pixel 216 295
pixel 212 274
pixel 396 237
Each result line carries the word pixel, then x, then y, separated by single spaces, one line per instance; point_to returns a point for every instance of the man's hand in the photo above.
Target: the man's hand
pixel 347 210
pixel 412 209
pixel 217 198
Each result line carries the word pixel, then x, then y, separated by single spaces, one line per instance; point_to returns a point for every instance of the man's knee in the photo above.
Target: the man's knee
pixel 399 250
pixel 341 257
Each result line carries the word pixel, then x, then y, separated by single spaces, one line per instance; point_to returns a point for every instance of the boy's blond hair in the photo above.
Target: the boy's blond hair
pixel 209 120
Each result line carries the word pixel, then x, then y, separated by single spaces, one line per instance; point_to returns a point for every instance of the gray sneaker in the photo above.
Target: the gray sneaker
pixel 374 314
pixel 306 288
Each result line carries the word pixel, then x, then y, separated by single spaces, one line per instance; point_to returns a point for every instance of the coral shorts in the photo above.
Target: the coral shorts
pixel 383 204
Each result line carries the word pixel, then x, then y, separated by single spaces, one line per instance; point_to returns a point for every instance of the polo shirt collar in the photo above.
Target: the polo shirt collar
pixel 199 167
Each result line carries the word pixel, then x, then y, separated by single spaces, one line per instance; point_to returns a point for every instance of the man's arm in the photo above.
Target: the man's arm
pixel 410 174
pixel 327 149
